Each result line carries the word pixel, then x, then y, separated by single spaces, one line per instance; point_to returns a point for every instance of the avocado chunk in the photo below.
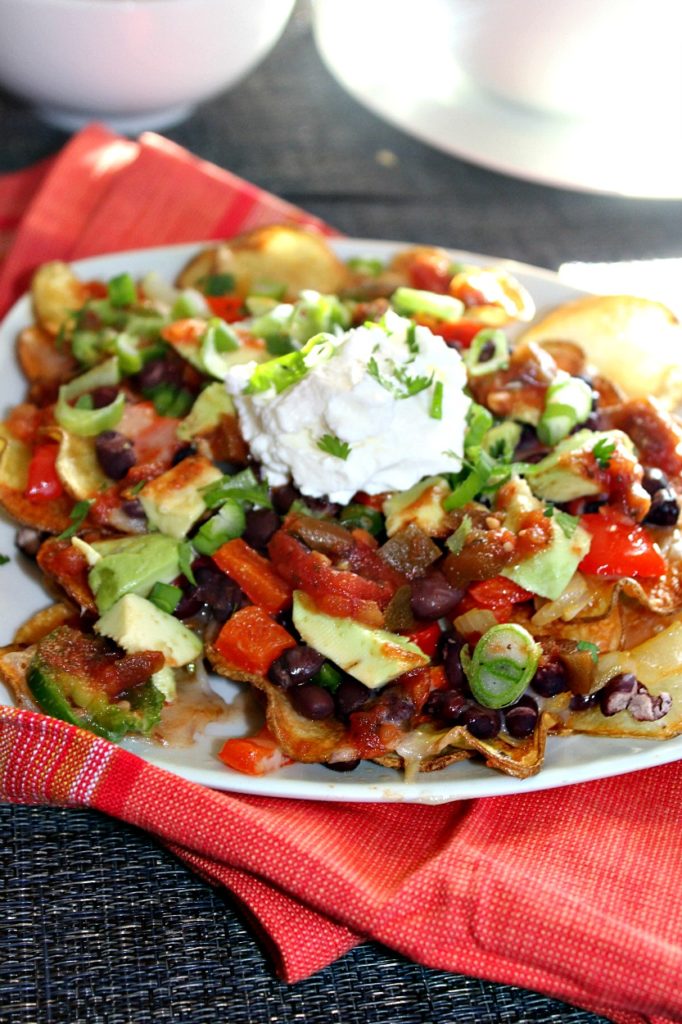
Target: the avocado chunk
pixel 374 656
pixel 173 501
pixel 131 565
pixel 138 625
pixel 564 474
pixel 421 505
pixel 210 406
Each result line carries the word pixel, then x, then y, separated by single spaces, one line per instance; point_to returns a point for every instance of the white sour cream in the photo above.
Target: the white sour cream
pixel 393 441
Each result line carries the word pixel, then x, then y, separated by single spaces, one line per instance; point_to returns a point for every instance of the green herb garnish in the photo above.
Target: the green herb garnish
pixel 77 515
pixel 334 446
pixel 592 649
pixel 399 383
pixel 436 410
pixel 602 451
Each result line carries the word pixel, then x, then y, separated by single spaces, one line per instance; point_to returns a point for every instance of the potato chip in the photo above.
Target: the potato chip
pixel 56 292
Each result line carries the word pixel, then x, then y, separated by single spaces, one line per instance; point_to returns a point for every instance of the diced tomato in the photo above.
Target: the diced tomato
pixel 620 547
pixel 251 640
pixel 227 307
pixel 43 483
pixel 460 332
pixel 189 329
pixel 498 594
pixel 254 574
pixel 335 591
pixel 431 272
pixel 95 290
pixel 375 501
pixel 419 684
pixel 24 422
pixel 426 636
pixel 253 755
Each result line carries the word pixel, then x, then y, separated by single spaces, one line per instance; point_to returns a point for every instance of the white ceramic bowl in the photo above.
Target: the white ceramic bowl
pixel 132 64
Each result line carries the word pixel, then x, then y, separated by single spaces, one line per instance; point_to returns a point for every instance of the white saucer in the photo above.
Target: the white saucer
pixel 415 84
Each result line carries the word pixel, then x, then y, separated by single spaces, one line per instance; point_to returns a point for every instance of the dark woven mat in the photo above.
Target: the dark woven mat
pixel 99 924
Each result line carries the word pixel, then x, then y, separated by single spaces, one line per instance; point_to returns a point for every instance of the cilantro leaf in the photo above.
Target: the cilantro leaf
pixel 4 559
pixel 592 649
pixel 399 383
pixel 77 515
pixel 603 450
pixel 334 446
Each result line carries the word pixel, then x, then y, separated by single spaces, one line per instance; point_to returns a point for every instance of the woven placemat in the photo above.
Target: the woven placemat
pixel 100 924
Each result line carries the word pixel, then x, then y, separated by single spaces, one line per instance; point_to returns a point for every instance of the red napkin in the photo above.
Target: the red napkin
pixel 572 892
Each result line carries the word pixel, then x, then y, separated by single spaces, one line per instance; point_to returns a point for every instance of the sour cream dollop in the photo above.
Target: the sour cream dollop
pixel 376 409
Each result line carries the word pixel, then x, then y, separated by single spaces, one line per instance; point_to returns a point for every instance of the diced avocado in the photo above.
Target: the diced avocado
pixel 130 565
pixel 560 475
pixel 374 656
pixel 212 404
pixel 164 681
pixel 138 625
pixel 173 501
pixel 550 569
pixel 421 505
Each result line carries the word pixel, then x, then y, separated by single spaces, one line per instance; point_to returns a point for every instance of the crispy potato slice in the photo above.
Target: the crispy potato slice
pixel 70 574
pixel 14 662
pixel 635 343
pixel 78 467
pixel 294 257
pixel 44 621
pixel 657 663
pixel 52 516
pixel 44 365
pixel 56 292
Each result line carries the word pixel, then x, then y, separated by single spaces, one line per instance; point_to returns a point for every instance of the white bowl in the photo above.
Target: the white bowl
pixel 132 64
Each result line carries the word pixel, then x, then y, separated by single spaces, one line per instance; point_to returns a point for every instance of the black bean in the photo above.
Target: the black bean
pixel 218 591
pixel 452 663
pixel 583 701
pixel 312 701
pixel 159 371
pixel 446 705
pixel 550 679
pixel 654 479
pixel 115 453
pixel 521 720
pixel 261 523
pixel 397 708
pixel 483 723
pixel 295 666
pixel 665 508
pixel 322 506
pixel 351 695
pixel 617 693
pixel 529 448
pixel 183 453
pixel 29 540
pixel 644 707
pixel 433 597
pixel 284 497
pixel 103 396
pixel 342 766
pixel 134 508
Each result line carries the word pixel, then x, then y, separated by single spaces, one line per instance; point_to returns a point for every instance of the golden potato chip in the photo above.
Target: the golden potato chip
pixel 78 467
pixel 636 343
pixel 44 621
pixel 43 363
pixel 14 662
pixel 56 292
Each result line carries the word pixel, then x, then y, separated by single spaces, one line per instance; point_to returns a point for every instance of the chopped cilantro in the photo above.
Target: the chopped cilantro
pixel 411 339
pixel 399 383
pixel 243 488
pixel 77 515
pixel 592 649
pixel 455 541
pixel 4 559
pixel 334 446
pixel 602 451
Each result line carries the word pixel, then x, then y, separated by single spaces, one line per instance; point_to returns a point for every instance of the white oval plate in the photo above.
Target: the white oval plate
pixel 570 760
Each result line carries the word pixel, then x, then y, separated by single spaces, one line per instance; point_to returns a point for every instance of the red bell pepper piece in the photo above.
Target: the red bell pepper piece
pixel 253 755
pixel 620 547
pixel 227 307
pixel 43 483
pixel 251 640
pixel 426 636
pixel 254 574
pixel 498 594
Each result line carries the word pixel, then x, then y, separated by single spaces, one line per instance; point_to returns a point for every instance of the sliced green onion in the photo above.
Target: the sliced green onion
pixel 104 375
pixel 412 301
pixel 129 358
pixel 86 346
pixel 282 372
pixel 436 409
pixel 88 422
pixel 260 305
pixel 269 290
pixel 329 677
pixel 357 516
pixel 165 596
pixel 217 339
pixel 568 402
pixel 365 265
pixel 243 487
pixel 121 290
pixel 504 662
pixel 230 522
pixel 500 441
pixel 473 484
pixel 455 541
pixel 85 402
pixel 185 557
pixel 479 422
pixel 171 401
pixel 188 304
pixel 499 360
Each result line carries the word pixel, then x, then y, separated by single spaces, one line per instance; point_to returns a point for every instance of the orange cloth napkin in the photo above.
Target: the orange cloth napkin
pixel 572 892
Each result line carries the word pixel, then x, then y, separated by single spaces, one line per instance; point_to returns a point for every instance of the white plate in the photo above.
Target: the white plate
pixel 401 66
pixel 571 760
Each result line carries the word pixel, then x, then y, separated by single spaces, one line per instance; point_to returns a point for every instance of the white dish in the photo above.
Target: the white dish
pixel 572 760
pixel 404 69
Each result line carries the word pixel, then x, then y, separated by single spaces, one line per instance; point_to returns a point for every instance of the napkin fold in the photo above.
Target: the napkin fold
pixel 572 892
